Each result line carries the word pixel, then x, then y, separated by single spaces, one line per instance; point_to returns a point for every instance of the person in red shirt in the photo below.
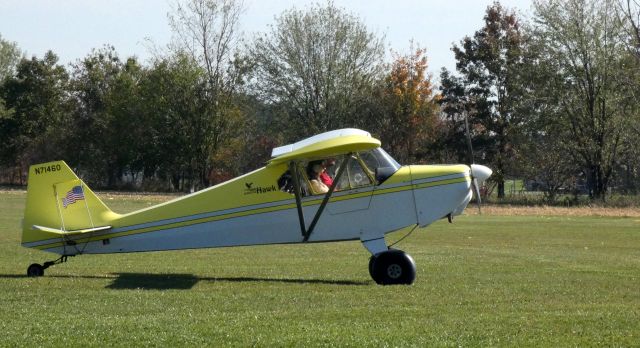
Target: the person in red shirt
pixel 324 177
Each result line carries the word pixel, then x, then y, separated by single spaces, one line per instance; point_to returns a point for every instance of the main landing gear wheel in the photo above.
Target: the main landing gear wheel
pixel 35 270
pixel 392 267
pixel 372 260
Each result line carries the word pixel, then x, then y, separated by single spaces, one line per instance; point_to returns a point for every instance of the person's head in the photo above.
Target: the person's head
pixel 315 168
pixel 329 162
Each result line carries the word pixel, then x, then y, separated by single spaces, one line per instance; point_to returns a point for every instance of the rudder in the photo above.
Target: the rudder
pixel 57 200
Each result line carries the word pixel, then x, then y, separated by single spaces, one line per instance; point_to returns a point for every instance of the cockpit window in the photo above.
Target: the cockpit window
pixel 285 182
pixel 355 175
pixel 364 168
pixel 380 164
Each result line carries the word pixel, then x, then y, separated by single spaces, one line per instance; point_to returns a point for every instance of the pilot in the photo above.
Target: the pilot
pixel 315 170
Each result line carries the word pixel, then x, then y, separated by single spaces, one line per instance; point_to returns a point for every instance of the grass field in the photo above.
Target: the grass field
pixel 490 280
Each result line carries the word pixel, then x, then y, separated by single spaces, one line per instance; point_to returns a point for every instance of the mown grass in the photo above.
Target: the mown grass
pixel 486 280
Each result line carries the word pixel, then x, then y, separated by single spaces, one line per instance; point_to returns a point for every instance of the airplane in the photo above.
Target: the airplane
pixel 370 196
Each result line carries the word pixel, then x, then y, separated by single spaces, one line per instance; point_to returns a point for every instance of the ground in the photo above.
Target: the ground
pixel 506 278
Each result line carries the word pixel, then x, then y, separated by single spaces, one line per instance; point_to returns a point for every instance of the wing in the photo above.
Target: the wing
pixel 327 148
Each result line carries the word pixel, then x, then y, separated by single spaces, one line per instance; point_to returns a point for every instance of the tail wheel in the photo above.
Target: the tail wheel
pixel 35 270
pixel 393 267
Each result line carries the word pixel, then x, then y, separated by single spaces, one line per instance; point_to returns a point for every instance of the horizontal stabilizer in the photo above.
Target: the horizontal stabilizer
pixel 63 232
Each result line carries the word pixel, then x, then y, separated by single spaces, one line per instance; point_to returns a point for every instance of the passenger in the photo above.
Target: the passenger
pixel 315 170
pixel 324 176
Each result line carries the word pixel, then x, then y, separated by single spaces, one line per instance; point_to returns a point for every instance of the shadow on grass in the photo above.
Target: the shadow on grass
pixel 149 281
pixel 286 280
pixel 146 281
pixel 187 281
pixel 13 276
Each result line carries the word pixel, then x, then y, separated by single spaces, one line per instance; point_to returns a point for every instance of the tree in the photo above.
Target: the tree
pixel 408 115
pixel 10 56
pixel 630 167
pixel 207 30
pixel 128 131
pixel 206 33
pixel 548 163
pixel 630 13
pixel 89 145
pixel 318 66
pixel 176 100
pixel 455 106
pixel 582 38
pixel 37 103
pixel 490 65
pixel 7 133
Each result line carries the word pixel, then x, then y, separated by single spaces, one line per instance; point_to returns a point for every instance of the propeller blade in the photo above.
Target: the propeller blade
pixel 479 174
pixel 474 180
pixel 476 189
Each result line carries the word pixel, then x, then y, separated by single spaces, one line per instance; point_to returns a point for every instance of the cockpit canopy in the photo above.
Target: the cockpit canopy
pixel 317 161
pixel 364 168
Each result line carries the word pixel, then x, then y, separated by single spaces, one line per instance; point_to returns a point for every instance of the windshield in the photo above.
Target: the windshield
pixel 380 163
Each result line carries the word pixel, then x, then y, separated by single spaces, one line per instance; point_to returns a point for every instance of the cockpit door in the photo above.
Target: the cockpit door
pixel 355 188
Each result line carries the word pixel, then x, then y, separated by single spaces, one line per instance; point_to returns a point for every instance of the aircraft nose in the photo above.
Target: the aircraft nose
pixel 480 172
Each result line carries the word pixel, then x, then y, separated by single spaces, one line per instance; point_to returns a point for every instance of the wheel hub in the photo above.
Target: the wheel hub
pixel 394 271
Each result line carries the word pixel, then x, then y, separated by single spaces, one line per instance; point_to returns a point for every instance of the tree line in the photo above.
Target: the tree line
pixel 553 99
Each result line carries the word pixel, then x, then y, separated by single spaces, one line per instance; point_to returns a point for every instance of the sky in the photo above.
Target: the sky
pixel 71 28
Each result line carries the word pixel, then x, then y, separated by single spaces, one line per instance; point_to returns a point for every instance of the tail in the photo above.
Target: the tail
pixel 59 203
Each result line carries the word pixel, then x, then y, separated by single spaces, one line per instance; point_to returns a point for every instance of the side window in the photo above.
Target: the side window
pixel 358 175
pixel 354 176
pixel 285 182
pixel 316 176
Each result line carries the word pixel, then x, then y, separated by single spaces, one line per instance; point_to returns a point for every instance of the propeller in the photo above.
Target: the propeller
pixel 474 179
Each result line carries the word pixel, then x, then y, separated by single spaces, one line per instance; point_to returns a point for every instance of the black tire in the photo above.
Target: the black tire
pixel 35 270
pixel 372 260
pixel 394 267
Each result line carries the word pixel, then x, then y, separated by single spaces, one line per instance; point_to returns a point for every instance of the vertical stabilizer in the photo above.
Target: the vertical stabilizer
pixel 58 200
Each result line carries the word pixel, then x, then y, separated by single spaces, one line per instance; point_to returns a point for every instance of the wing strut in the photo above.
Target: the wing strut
pixel 296 184
pixel 327 195
pixel 296 190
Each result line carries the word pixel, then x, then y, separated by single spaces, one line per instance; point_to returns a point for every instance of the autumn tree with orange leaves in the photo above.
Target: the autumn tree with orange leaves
pixel 408 105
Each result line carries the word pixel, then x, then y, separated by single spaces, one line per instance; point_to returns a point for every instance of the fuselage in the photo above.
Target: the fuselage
pixel 252 209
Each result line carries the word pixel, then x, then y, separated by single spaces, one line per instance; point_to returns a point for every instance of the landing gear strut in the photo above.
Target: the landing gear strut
pixel 392 267
pixel 37 270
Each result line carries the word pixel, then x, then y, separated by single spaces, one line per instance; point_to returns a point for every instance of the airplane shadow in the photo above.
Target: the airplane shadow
pixel 146 281
pixel 150 281
pixel 286 280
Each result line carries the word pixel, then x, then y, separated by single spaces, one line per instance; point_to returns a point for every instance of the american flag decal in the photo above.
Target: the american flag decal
pixel 75 194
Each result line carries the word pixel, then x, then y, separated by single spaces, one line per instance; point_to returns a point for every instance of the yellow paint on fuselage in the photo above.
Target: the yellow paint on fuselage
pixel 433 171
pixel 257 187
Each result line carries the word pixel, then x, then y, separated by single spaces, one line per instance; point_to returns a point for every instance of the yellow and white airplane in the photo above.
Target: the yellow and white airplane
pixel 370 195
